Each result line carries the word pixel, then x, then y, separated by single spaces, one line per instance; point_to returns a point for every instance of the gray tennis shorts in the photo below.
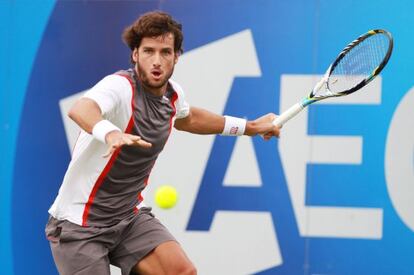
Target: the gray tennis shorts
pixel 89 250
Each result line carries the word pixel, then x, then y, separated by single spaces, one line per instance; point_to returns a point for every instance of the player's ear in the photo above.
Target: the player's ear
pixel 177 55
pixel 135 55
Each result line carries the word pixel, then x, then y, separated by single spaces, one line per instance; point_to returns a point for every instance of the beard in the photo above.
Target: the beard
pixel 145 79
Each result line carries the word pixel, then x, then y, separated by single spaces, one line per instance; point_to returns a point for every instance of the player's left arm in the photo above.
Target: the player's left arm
pixel 201 121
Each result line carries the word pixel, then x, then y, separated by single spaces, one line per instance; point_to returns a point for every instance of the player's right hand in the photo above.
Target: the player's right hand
pixel 116 139
pixel 263 126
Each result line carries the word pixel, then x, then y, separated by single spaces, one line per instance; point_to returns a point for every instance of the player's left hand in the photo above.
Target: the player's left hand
pixel 263 126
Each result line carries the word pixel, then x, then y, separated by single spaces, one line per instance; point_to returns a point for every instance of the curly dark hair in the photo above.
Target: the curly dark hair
pixel 153 24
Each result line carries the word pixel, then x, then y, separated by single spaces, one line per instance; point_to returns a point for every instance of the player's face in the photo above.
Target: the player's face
pixel 155 59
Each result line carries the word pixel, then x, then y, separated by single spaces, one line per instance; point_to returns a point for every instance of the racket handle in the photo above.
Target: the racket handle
pixel 288 114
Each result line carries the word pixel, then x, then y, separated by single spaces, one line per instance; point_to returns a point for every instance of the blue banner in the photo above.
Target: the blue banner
pixel 334 195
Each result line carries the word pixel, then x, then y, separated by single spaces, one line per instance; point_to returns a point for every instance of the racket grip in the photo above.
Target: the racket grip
pixel 288 114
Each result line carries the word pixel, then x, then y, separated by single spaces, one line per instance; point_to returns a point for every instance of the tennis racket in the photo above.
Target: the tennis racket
pixel 356 66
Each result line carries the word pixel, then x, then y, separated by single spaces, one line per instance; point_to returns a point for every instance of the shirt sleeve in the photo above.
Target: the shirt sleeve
pixel 108 92
pixel 181 105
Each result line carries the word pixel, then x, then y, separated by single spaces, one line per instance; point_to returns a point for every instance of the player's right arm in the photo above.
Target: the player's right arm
pixel 88 112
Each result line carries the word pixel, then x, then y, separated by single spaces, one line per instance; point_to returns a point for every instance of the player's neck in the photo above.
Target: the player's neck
pixel 155 91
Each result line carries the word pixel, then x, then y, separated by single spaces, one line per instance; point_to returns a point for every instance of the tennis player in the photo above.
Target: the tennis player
pixel 98 217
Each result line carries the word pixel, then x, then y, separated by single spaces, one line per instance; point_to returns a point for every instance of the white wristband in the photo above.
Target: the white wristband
pixel 234 126
pixel 102 128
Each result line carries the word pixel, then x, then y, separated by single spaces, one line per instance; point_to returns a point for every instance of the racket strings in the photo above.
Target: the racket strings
pixel 359 63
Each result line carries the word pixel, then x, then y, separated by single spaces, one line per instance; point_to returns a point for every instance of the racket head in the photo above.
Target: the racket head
pixel 360 62
pixel 356 65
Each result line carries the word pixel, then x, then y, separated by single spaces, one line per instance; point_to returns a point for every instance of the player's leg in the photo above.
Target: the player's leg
pixel 74 252
pixel 148 247
pixel 69 262
pixel 167 259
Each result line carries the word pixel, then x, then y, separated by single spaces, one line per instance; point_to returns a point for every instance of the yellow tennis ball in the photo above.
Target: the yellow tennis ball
pixel 166 196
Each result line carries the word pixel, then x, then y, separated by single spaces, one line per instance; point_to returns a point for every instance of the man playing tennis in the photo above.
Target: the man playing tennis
pixel 98 217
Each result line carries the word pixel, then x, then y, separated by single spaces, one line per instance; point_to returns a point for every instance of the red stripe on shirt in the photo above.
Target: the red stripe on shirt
pixel 133 93
pixel 111 161
pixel 173 99
pixel 96 186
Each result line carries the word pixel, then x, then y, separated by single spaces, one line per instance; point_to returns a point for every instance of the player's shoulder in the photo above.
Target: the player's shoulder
pixel 116 81
pixel 128 74
pixel 176 87
pixel 113 86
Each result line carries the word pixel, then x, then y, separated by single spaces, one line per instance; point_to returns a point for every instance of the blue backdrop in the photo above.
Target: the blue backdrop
pixel 52 49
